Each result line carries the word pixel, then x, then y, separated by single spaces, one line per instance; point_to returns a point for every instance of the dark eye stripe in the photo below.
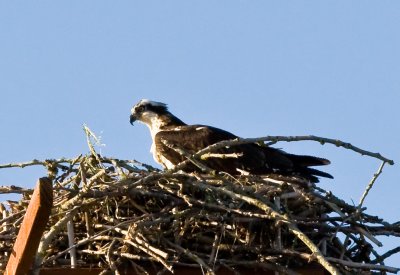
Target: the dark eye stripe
pixel 139 109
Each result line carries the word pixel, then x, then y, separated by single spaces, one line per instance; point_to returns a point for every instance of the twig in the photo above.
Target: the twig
pixel 187 209
pixel 89 136
pixel 386 255
pixel 12 216
pixel 263 265
pixel 275 139
pixel 48 237
pixel 370 184
pixel 292 227
pixel 215 246
pixel 364 266
pixel 35 162
pixel 187 155
pixel 150 250
pixel 369 236
pixel 192 256
pixel 109 257
pixel 144 244
pixel 221 156
pixel 14 190
pixel 84 241
pixel 278 241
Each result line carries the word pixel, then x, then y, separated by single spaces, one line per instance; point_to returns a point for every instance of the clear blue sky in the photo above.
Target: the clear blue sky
pixel 255 68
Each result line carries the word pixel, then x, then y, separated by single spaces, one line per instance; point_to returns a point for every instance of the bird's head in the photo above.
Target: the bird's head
pixel 147 111
pixel 154 114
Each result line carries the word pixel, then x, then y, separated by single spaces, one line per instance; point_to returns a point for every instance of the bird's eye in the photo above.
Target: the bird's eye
pixel 140 109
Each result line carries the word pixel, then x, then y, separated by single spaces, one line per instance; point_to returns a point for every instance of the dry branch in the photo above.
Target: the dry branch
pixel 121 214
pixel 275 139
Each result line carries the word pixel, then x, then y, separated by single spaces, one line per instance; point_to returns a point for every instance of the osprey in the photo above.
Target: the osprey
pixel 168 131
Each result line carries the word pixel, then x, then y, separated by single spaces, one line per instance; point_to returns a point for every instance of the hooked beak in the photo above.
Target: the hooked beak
pixel 132 118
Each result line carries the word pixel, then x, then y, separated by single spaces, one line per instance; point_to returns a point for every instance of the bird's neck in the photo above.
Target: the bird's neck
pixel 164 121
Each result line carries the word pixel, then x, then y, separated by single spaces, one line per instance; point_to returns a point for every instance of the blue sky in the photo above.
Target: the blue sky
pixel 255 68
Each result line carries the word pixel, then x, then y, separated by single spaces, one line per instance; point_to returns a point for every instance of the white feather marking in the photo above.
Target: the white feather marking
pixel 160 158
pixel 178 128
pixel 200 128
pixel 242 172
pixel 166 163
pixel 273 180
pixel 153 103
pixel 153 122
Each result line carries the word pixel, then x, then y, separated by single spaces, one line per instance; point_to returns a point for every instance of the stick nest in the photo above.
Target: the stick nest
pixel 123 214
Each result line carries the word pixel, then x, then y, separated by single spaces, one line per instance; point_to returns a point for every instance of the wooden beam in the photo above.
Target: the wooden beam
pixel 31 230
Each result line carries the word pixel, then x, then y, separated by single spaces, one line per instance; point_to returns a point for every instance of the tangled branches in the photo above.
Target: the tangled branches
pixel 122 215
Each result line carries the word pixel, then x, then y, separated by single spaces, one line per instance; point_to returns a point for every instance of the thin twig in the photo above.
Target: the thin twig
pixel 370 184
pixel 386 255
pixel 364 266
pixel 192 256
pixel 206 217
pixel 35 162
pixel 292 227
pixel 275 139
pixel 187 155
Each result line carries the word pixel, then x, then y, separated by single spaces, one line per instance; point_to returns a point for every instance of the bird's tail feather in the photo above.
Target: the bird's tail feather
pixel 315 172
pixel 305 161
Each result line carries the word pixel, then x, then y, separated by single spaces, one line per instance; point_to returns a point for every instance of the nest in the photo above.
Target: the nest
pixel 123 215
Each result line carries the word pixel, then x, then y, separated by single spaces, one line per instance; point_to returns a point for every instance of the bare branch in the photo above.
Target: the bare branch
pixel 370 184
pixel 275 139
pixel 186 219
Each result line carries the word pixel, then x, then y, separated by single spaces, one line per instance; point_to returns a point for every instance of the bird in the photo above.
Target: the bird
pixel 174 140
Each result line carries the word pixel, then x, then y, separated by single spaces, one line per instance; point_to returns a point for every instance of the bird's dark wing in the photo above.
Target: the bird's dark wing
pixel 189 138
pixel 299 164
pixel 196 137
pixel 250 157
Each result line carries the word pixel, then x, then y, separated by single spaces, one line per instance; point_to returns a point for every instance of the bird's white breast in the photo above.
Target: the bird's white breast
pixel 160 158
pixel 155 124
